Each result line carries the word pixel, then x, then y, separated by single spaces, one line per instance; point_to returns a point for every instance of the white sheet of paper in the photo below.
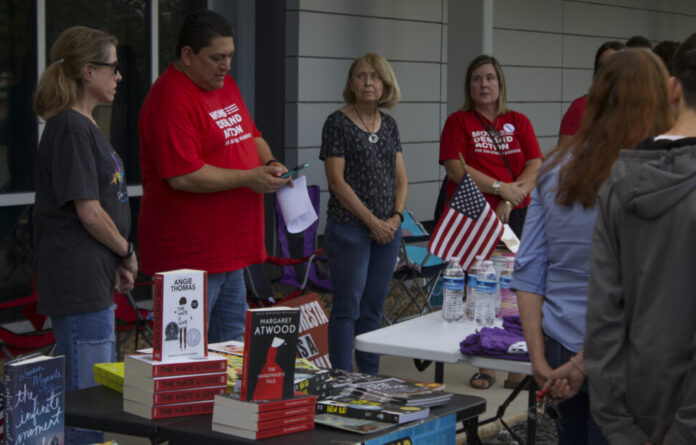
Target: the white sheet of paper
pixel 296 206
pixel 510 239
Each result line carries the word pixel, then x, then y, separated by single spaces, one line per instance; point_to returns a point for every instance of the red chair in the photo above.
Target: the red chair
pixel 12 343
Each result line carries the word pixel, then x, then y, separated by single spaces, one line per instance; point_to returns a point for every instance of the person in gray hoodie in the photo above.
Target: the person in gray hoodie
pixel 640 340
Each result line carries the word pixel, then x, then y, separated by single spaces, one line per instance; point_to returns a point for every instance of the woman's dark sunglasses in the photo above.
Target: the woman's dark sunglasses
pixel 112 65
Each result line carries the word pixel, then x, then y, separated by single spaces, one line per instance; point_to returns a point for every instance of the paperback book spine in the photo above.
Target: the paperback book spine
pixel 245 362
pixel 175 369
pixel 233 403
pixel 289 412
pixel 202 367
pixel 157 318
pixel 197 381
pixel 193 409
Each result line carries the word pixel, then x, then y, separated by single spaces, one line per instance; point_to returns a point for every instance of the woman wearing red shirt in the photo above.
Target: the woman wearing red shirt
pixel 498 145
pixel 500 149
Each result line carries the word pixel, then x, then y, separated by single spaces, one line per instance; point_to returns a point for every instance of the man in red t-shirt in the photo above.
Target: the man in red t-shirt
pixel 205 168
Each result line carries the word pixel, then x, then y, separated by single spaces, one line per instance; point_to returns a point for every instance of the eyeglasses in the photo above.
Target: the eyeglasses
pixel 112 65
pixel 363 75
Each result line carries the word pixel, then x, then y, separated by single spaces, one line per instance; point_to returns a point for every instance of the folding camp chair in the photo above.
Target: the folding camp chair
pixel 303 271
pixel 298 259
pixel 415 275
pixel 131 320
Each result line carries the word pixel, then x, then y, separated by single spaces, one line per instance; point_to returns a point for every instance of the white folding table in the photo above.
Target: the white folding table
pixel 430 338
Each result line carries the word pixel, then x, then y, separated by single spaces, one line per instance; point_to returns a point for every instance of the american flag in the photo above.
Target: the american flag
pixel 467 228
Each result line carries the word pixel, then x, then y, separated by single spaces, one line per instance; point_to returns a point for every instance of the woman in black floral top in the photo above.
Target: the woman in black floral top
pixel 367 180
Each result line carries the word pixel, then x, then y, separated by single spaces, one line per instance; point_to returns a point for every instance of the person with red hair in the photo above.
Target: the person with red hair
pixel 627 102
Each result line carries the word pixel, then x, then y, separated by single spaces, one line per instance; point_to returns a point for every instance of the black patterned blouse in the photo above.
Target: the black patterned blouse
pixel 369 168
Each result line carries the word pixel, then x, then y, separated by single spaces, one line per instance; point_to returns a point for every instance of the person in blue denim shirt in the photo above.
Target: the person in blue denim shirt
pixel 81 213
pixel 365 170
pixel 627 102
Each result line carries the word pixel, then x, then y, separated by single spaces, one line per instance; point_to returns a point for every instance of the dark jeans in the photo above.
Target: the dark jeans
pixel 361 271
pixel 577 427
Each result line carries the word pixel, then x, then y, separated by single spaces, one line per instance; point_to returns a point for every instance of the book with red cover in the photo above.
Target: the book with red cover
pixel 270 346
pixel 174 383
pixel 153 398
pixel 232 401
pixel 180 314
pixel 145 364
pixel 225 415
pixel 164 411
pixel 253 425
pixel 256 435
pixel 224 412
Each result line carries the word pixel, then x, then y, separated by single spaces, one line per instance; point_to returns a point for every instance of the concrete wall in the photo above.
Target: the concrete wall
pixel 546 48
pixel 323 38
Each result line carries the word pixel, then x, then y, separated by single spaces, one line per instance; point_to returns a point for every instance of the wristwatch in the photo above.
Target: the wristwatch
pixel 496 187
pixel 130 251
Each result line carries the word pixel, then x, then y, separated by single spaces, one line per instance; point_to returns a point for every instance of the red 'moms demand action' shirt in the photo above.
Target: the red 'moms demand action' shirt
pixel 183 127
pixel 463 133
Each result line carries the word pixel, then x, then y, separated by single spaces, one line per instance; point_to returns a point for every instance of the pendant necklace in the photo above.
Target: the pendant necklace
pixel 372 138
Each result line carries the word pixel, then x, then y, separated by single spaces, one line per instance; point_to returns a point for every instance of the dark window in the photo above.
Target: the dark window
pixel 171 15
pixel 129 22
pixel 18 131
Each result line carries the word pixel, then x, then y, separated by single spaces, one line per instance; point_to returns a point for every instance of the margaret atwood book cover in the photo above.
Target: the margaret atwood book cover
pixel 270 346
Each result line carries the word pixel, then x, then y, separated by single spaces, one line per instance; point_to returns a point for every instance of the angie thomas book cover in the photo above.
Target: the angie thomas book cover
pixel 180 314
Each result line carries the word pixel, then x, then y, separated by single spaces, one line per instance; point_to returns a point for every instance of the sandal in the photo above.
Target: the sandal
pixel 490 380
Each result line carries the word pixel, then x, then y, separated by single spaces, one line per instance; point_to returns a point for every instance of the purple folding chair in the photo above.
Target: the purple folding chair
pixel 302 245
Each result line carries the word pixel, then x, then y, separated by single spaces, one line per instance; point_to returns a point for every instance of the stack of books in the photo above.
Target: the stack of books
pixel 389 389
pixel 109 375
pixel 259 419
pixel 173 387
pixel 376 401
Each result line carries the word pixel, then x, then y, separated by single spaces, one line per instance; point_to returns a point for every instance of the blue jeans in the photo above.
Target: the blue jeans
pixel 577 426
pixel 361 271
pixel 227 306
pixel 84 339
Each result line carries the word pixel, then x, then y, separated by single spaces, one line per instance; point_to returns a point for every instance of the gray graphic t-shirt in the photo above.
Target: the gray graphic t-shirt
pixel 75 273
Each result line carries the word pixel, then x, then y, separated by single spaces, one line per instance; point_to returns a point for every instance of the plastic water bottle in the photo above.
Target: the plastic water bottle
pixel 508 298
pixel 452 291
pixel 488 294
pixel 504 279
pixel 471 290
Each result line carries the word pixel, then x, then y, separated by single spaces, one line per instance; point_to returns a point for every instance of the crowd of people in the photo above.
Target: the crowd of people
pixel 604 220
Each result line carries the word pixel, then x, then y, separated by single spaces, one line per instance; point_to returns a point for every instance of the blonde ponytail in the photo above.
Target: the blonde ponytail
pixel 61 82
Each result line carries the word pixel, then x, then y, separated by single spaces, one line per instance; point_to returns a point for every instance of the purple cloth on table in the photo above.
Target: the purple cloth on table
pixel 494 342
pixel 514 324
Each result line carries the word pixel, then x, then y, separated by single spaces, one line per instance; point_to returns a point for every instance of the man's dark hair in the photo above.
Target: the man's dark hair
pixel 638 42
pixel 684 69
pixel 611 44
pixel 200 28
pixel 666 50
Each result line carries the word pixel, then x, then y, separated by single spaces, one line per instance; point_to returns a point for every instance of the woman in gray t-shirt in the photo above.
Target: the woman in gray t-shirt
pixel 81 214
